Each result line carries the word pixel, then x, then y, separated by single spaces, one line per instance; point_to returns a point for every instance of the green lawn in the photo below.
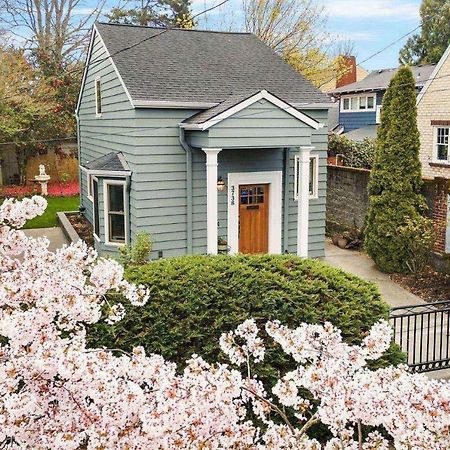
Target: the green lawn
pixel 55 204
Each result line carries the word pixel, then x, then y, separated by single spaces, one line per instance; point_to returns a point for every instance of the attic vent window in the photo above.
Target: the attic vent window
pixel 98 98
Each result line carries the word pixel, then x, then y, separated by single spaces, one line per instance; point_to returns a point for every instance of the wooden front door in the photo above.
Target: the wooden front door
pixel 253 218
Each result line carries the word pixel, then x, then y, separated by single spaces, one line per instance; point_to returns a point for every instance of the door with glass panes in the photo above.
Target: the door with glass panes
pixel 254 218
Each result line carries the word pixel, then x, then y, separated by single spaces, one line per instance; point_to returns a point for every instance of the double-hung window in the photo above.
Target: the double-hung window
pixel 358 103
pixel 313 176
pixel 115 211
pixel 442 144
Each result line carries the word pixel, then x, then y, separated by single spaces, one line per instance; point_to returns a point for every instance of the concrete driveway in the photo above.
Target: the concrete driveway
pixel 361 265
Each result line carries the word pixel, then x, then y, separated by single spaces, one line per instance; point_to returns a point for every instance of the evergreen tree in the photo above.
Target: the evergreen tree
pixel 153 13
pixel 429 45
pixel 395 181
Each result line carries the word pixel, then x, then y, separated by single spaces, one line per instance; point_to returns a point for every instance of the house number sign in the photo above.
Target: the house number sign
pixel 232 196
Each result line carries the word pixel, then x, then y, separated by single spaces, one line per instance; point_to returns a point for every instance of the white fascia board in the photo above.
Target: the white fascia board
pixel 172 104
pixel 434 74
pixel 107 173
pixel 248 102
pixel 85 70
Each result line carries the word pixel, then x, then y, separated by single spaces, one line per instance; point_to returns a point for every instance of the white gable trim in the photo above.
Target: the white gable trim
pixel 250 101
pixel 434 74
pixel 95 33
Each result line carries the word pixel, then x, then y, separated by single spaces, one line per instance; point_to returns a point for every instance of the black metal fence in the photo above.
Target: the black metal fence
pixel 422 331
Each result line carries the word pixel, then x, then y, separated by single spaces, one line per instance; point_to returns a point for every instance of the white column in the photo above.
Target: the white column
pixel 303 201
pixel 211 198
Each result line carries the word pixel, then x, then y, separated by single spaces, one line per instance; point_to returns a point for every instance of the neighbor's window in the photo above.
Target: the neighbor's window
pixel 442 144
pixel 115 211
pixel 358 103
pixel 98 97
pixel 313 176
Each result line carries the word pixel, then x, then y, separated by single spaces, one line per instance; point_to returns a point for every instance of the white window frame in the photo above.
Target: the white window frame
pixel 98 106
pixel 94 208
pixel 90 187
pixel 107 183
pixel 315 185
pixel 358 102
pixel 435 145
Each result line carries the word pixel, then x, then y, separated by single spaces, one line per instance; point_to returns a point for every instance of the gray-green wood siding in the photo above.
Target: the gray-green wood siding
pixel 148 138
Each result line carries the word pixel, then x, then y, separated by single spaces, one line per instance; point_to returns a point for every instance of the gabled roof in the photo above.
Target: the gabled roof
pixel 436 70
pixel 235 103
pixel 200 67
pixel 380 79
pixel 111 162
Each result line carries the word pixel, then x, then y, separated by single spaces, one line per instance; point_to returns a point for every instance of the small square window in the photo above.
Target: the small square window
pixel 346 104
pixel 354 103
pixel 362 102
pixel 370 102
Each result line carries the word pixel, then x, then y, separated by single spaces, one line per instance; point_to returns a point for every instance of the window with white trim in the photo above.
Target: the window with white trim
pixel 115 212
pixel 98 97
pixel 90 186
pixel 442 144
pixel 313 176
pixel 96 207
pixel 358 103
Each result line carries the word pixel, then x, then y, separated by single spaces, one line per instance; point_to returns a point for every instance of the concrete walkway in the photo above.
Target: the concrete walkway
pixel 360 264
pixel 54 235
pixel 432 328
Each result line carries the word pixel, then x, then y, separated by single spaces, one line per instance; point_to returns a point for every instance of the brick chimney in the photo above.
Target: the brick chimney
pixel 348 67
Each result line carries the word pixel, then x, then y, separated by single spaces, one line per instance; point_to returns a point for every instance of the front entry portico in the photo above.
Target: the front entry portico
pixel 248 139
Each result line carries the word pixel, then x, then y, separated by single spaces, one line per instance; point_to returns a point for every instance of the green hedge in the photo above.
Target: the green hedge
pixel 358 154
pixel 196 298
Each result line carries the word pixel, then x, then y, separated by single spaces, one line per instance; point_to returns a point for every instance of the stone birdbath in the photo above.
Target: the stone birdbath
pixel 42 179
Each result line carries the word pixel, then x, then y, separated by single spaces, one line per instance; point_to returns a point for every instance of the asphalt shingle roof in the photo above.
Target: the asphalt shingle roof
pixel 110 162
pixel 201 66
pixel 379 79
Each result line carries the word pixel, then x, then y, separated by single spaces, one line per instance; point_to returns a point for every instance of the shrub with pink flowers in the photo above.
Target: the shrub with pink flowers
pixel 57 393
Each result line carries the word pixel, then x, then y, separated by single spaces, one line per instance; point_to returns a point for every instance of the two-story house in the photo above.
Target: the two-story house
pixel 360 103
pixel 192 136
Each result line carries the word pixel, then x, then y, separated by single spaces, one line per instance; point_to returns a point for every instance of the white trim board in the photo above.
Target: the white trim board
pixel 275 179
pixel 250 101
pixel 434 74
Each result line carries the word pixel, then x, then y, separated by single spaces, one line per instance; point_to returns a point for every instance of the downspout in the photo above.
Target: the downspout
pixel 286 201
pixel 188 151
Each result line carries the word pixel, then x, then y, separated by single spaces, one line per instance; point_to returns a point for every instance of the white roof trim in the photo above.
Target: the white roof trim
pixel 434 74
pixel 95 32
pixel 108 173
pixel 249 101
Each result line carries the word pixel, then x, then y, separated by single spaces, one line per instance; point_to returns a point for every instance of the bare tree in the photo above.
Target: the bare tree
pixel 54 30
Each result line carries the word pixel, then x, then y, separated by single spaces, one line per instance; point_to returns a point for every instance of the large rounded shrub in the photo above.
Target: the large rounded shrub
pixel 196 298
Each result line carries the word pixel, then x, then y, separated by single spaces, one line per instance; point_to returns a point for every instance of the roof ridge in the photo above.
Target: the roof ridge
pixel 153 27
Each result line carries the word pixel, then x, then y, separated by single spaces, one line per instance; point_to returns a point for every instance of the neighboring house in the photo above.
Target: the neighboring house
pixel 194 135
pixel 433 119
pixel 352 72
pixel 360 103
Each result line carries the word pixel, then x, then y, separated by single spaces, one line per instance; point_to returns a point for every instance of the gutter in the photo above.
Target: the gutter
pixel 188 150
